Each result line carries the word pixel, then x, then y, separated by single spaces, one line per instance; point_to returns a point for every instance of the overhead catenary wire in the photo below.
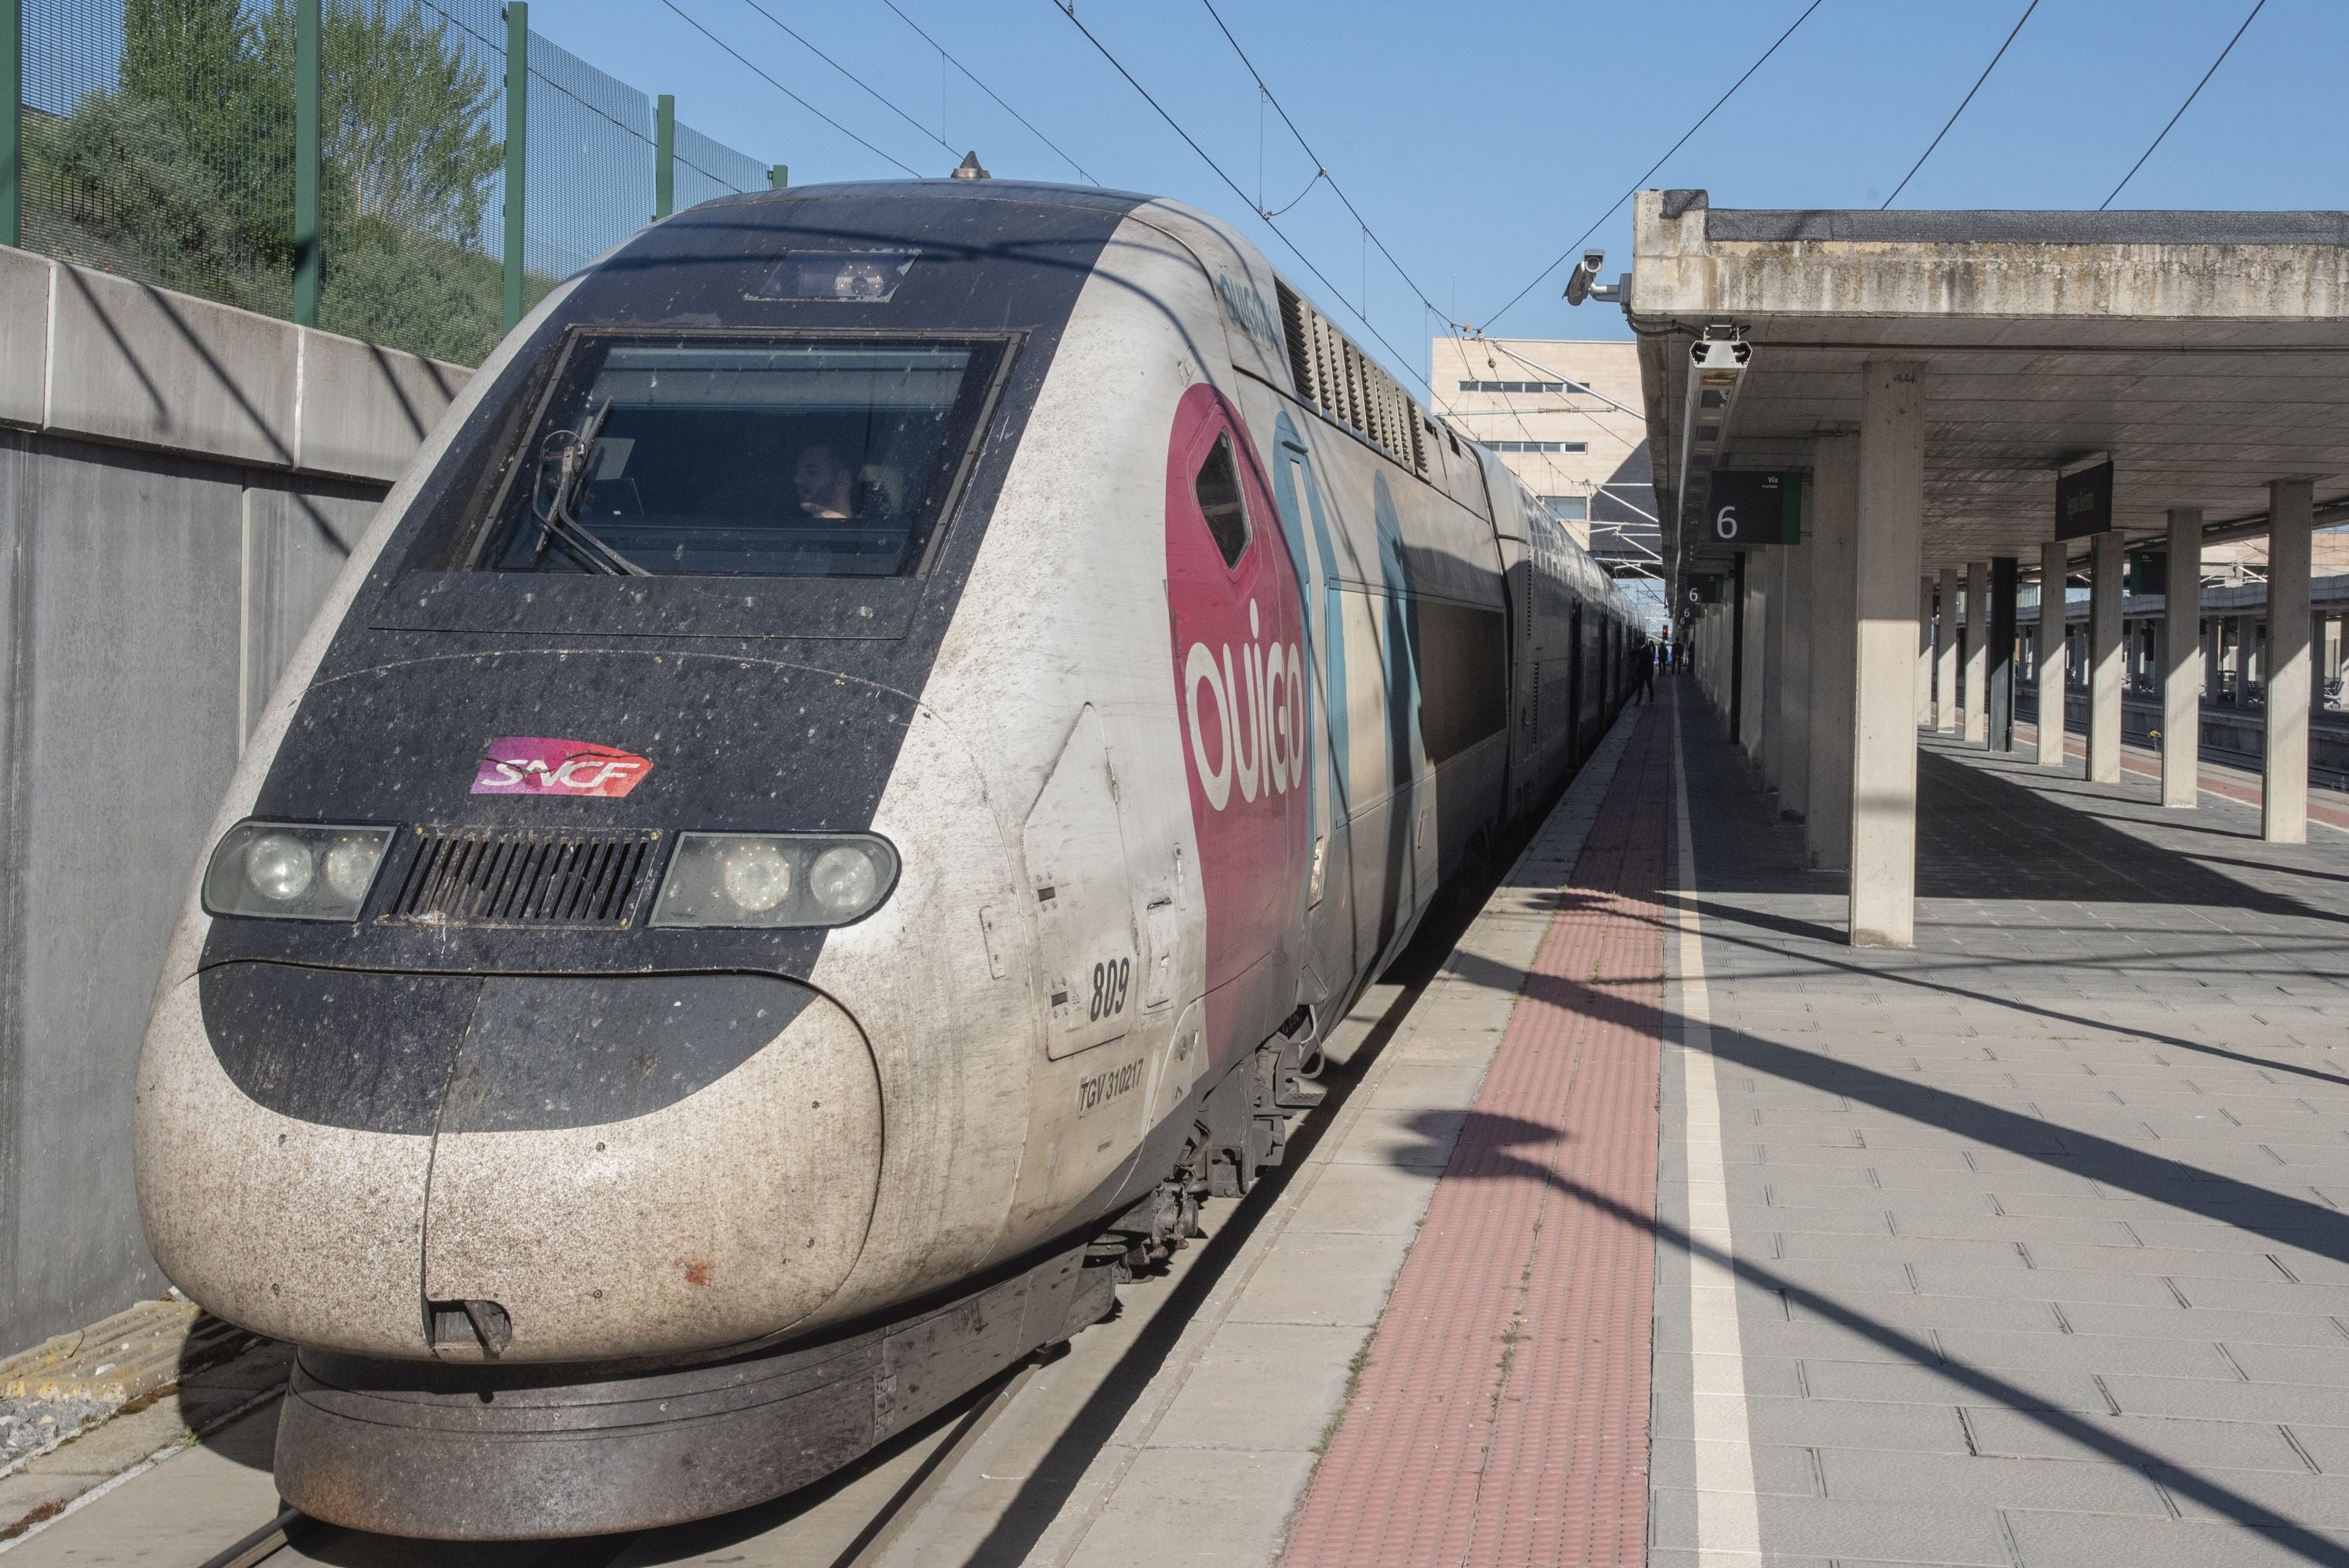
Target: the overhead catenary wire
pixel 1659 163
pixel 1994 59
pixel 1318 176
pixel 1586 390
pixel 1321 170
pixel 787 92
pixel 1204 157
pixel 870 91
pixel 2257 6
pixel 990 92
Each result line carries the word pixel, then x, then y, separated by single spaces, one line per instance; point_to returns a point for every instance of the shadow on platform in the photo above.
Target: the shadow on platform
pixel 1483 1152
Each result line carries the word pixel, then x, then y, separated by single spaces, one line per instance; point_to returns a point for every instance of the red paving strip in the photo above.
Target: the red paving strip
pixel 2245 791
pixel 1502 1413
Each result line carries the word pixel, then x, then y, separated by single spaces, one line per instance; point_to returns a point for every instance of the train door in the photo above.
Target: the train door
pixel 1519 598
pixel 1520 601
pixel 1606 670
pixel 1074 844
pixel 1408 841
pixel 1101 950
pixel 1574 736
pixel 1326 901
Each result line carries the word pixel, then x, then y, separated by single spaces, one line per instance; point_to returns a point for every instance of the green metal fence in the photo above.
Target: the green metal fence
pixel 347 164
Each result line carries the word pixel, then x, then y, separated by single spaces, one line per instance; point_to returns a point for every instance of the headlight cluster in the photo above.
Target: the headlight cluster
pixel 293 870
pixel 775 879
pixel 287 870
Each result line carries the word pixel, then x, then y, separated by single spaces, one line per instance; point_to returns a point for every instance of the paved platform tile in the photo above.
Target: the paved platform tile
pixel 1501 1409
pixel 2078 1162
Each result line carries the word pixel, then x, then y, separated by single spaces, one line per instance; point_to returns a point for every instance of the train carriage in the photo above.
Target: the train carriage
pixel 830 809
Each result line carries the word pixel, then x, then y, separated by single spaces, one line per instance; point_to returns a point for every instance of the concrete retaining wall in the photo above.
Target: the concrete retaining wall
pixel 180 483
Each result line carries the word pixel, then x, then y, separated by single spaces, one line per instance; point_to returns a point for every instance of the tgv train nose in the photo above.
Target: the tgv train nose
pixel 565 1167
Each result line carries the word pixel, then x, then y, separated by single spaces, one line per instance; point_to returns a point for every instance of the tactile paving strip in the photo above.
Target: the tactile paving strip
pixel 1502 1413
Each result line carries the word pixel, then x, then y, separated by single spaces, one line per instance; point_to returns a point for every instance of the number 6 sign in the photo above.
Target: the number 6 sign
pixel 1750 508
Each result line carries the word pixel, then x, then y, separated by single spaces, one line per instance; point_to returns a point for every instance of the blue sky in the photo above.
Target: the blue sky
pixel 1480 142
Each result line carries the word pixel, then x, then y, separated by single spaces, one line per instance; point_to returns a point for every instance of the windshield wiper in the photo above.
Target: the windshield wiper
pixel 556 519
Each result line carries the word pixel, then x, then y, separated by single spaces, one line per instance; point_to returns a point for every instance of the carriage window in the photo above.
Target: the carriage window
pixel 733 458
pixel 1219 489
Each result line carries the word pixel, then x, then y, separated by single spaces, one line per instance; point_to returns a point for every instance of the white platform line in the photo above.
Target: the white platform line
pixel 1728 1519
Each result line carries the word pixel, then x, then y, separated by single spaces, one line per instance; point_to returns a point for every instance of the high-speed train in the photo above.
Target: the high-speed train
pixel 831 807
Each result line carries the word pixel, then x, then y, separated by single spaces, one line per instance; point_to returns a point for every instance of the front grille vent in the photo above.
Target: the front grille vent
pixel 488 876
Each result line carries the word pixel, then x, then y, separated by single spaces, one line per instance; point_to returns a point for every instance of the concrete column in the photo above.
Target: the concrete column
pixel 1945 656
pixel 1724 656
pixel 1770 757
pixel 1925 651
pixel 1794 712
pixel 1834 516
pixel 1733 634
pixel 1883 900
pixel 1753 657
pixel 2052 572
pixel 2107 560
pixel 1716 655
pixel 2213 635
pixel 1998 708
pixel 1977 651
pixel 2283 794
pixel 2181 658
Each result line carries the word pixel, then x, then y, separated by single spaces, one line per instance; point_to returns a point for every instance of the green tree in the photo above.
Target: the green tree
pixel 200 66
pixel 184 176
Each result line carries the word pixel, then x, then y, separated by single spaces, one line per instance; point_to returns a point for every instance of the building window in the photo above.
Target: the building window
pixel 1569 508
pixel 1540 446
pixel 1522 387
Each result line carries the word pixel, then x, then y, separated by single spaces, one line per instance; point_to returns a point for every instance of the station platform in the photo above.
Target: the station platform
pixel 2021 1247
pixel 1653 1224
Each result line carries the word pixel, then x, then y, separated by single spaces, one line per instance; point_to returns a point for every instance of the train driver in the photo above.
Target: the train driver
pixel 827 489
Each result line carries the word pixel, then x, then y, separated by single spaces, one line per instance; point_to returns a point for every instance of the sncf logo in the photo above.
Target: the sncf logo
pixel 1249 730
pixel 538 765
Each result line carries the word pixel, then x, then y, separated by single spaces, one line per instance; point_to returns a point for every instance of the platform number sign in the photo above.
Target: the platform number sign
pixel 2083 501
pixel 1755 507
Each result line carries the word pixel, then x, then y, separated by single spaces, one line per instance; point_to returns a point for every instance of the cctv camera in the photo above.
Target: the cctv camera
pixel 1578 283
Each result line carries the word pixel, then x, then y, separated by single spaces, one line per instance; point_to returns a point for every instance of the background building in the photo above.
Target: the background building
pixel 1563 415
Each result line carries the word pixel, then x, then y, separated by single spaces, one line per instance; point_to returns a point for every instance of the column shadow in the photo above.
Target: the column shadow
pixel 1481 1154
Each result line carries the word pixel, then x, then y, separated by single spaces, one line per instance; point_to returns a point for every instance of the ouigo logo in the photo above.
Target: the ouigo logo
pixel 539 765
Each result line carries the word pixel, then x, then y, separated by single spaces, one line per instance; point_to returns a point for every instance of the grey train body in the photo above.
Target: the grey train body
pixel 1091 659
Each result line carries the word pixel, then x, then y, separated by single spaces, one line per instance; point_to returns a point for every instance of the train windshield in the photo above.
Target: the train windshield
pixel 733 456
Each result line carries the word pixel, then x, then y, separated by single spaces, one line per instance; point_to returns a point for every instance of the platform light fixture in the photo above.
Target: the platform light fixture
pixel 1717 366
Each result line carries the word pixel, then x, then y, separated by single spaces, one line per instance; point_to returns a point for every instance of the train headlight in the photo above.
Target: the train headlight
pixel 844 878
pixel 290 870
pixel 755 877
pixel 775 879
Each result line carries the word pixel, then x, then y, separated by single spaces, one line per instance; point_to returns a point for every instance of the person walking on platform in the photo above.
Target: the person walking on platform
pixel 1647 671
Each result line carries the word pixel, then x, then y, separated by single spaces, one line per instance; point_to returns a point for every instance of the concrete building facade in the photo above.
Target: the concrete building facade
pixel 1563 416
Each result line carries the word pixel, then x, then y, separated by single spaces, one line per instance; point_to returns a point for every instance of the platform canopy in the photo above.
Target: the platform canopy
pixel 2205 354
